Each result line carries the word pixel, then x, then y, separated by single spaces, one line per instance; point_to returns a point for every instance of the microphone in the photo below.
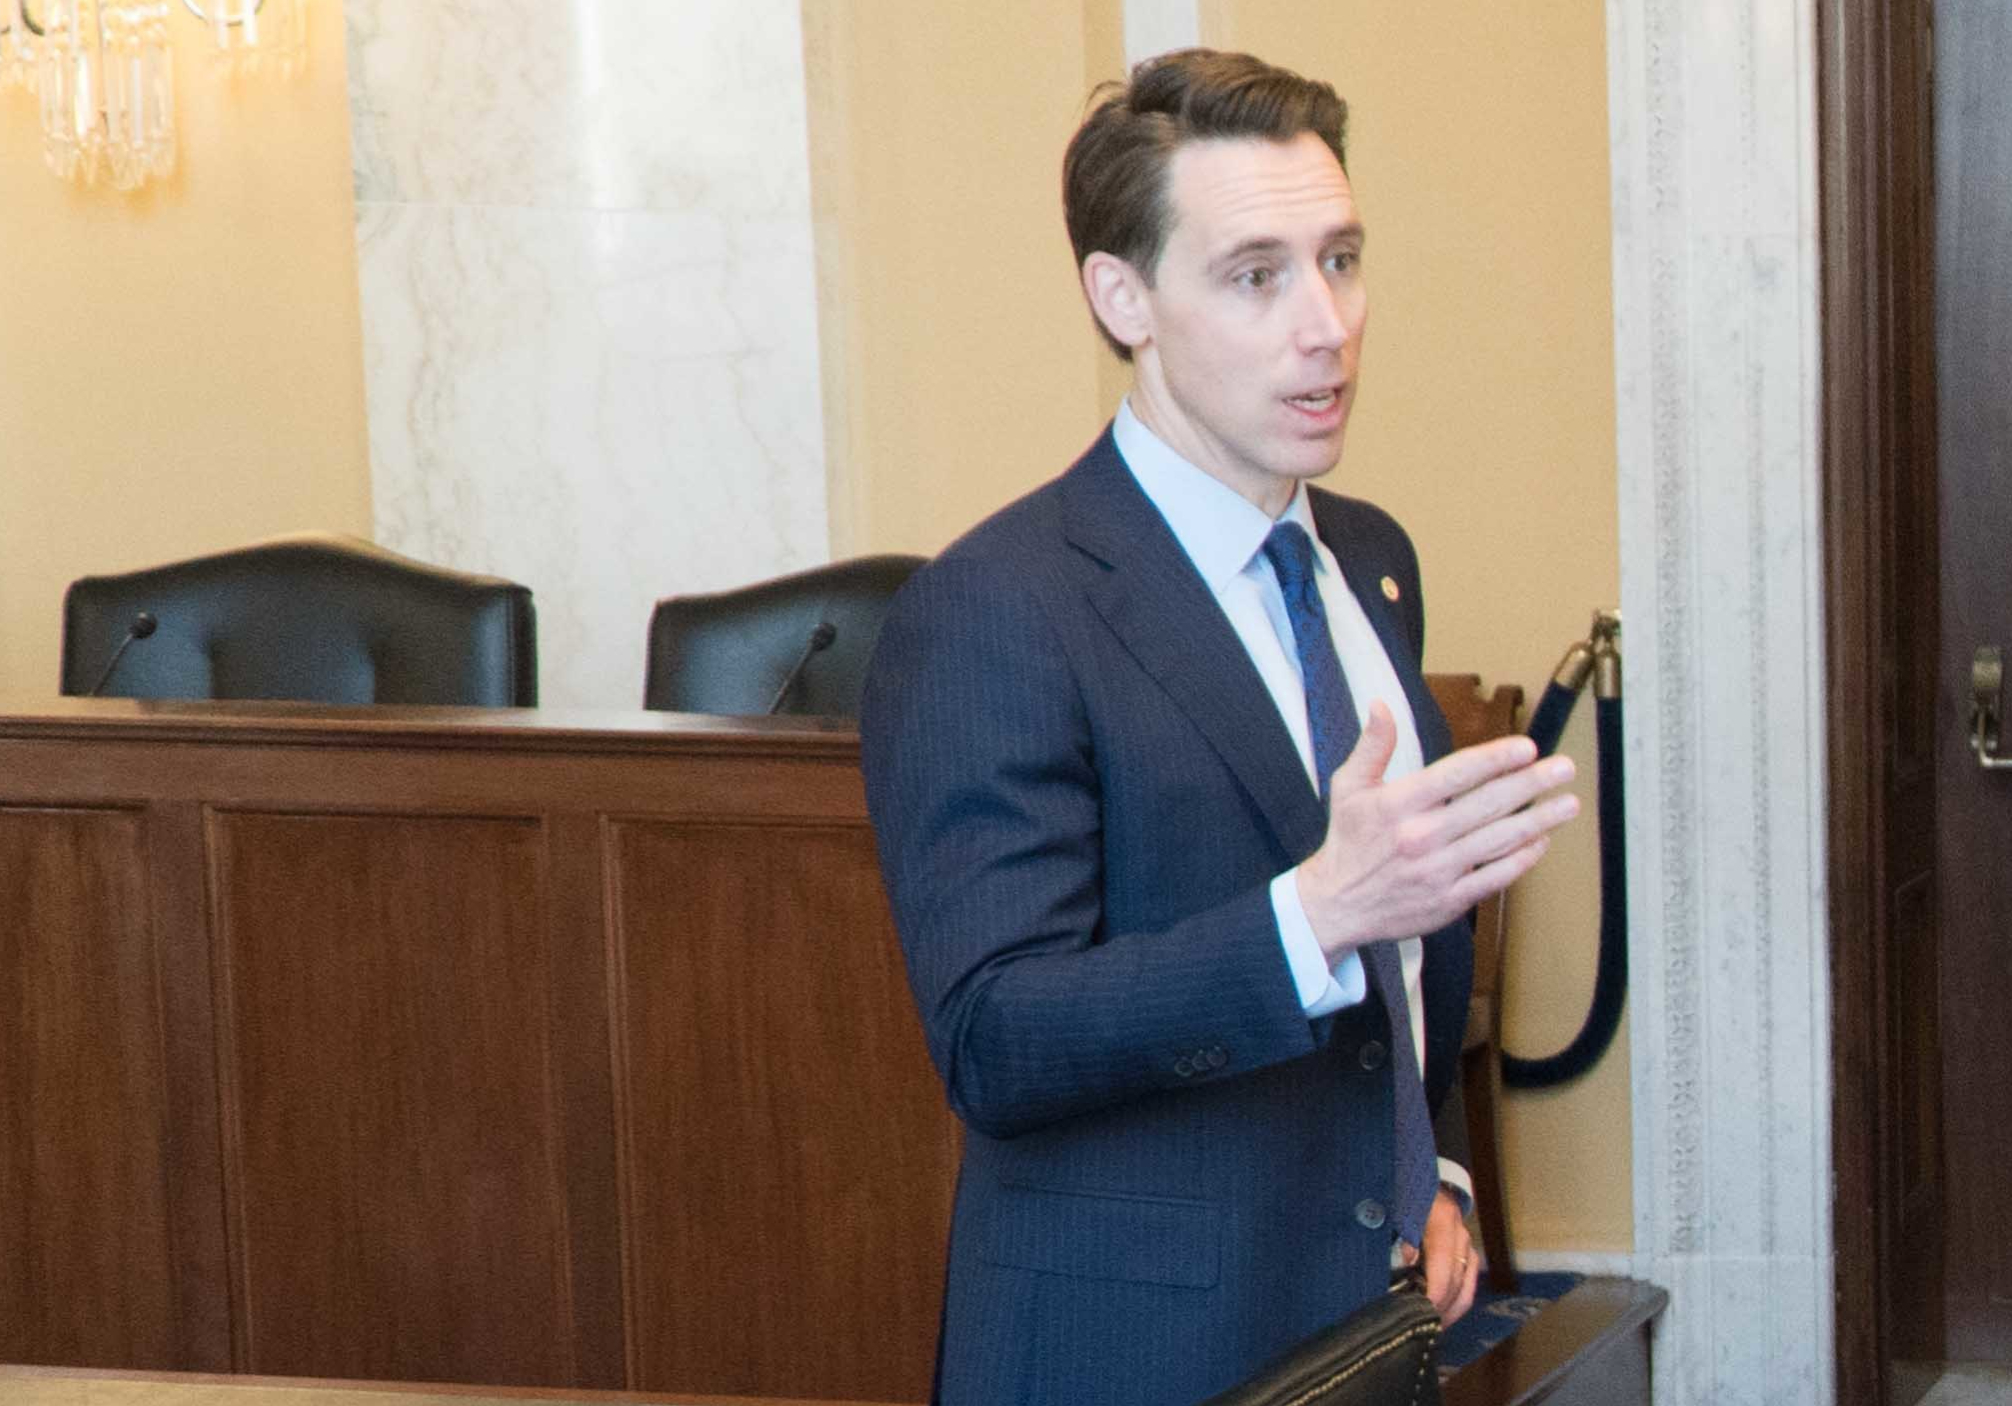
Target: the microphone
pixel 820 638
pixel 142 626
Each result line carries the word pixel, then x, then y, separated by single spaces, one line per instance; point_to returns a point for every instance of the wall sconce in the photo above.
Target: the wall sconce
pixel 105 76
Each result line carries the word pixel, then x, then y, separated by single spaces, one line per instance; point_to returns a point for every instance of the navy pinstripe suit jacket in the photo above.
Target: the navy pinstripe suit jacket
pixel 1081 790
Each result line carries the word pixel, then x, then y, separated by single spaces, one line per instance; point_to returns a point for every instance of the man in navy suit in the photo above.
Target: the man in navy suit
pixel 1180 1001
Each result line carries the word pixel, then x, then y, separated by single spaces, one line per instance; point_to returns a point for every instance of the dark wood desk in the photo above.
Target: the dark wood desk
pixel 454 1045
pixel 1591 1348
pixel 46 1386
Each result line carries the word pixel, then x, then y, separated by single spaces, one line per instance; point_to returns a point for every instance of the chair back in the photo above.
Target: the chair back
pixel 732 651
pixel 315 616
pixel 1474 717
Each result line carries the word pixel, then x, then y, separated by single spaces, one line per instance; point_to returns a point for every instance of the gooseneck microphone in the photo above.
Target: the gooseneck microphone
pixel 820 638
pixel 142 626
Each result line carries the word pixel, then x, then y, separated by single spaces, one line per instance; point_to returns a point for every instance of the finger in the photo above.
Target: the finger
pixel 1371 755
pixel 1408 1252
pixel 1517 797
pixel 1442 1270
pixel 1454 1251
pixel 1511 832
pixel 1459 772
pixel 1504 795
pixel 1491 878
pixel 1470 1284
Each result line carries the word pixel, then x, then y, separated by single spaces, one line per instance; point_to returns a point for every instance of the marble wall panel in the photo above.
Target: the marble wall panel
pixel 580 104
pixel 589 306
pixel 1715 263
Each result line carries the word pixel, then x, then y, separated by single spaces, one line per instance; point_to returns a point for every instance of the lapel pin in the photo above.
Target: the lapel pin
pixel 1390 591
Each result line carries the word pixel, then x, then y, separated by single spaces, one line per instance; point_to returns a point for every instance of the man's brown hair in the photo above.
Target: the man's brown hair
pixel 1114 175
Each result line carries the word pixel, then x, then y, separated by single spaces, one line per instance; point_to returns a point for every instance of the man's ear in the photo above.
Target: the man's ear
pixel 1117 296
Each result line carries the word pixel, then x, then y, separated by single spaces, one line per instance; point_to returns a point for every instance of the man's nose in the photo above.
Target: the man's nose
pixel 1321 324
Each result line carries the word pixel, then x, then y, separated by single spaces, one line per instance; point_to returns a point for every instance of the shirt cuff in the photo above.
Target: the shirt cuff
pixel 1455 1179
pixel 1321 991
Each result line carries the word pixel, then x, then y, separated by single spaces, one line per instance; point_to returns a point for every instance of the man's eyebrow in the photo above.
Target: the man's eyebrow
pixel 1238 252
pixel 1350 233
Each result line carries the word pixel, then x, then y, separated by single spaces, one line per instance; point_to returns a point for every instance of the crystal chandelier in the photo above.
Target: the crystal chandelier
pixel 17 48
pixel 260 34
pixel 104 73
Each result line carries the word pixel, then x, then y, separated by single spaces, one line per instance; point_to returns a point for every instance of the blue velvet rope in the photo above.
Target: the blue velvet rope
pixel 1610 984
pixel 1554 710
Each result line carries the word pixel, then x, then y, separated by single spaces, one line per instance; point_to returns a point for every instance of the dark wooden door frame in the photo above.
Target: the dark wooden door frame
pixel 1876 180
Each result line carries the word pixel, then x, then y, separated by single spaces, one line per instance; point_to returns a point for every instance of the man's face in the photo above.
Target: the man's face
pixel 1254 319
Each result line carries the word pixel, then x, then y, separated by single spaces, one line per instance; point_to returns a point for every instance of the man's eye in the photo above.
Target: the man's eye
pixel 1342 260
pixel 1258 278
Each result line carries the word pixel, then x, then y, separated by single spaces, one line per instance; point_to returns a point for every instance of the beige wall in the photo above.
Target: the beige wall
pixel 960 371
pixel 180 369
pixel 960 368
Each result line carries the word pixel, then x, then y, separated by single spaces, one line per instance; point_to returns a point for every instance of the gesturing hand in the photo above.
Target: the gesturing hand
pixel 1409 856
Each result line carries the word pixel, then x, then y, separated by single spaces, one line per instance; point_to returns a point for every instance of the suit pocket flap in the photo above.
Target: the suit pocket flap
pixel 1145 1239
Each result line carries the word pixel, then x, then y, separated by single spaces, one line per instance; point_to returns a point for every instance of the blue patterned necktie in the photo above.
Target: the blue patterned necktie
pixel 1330 717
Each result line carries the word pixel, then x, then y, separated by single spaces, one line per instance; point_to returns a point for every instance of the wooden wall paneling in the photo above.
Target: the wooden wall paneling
pixel 1914 1111
pixel 1850 105
pixel 578 975
pixel 788 1160
pixel 1973 312
pixel 179 904
pixel 84 1235
pixel 1915 1167
pixel 1875 212
pixel 389 1096
pixel 377 949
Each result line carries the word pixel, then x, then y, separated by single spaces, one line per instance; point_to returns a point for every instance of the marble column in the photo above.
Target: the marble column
pixel 589 307
pixel 1713 120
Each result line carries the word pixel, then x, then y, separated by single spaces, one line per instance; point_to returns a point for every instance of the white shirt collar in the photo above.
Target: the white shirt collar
pixel 1219 528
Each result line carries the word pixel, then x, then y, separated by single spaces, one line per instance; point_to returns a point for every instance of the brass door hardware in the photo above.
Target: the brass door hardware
pixel 1987 680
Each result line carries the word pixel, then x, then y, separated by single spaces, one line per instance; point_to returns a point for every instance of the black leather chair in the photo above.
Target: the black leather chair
pixel 316 616
pixel 733 651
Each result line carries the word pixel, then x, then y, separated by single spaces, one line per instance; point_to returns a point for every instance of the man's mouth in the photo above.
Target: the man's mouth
pixel 1314 400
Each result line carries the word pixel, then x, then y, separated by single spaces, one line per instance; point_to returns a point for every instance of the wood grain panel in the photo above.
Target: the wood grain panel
pixel 789 1162
pixel 179 911
pixel 1879 459
pixel 1973 309
pixel 86 1273
pixel 389 1102
pixel 579 975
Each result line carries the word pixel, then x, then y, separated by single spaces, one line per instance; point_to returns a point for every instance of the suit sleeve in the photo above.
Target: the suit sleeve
pixel 983 787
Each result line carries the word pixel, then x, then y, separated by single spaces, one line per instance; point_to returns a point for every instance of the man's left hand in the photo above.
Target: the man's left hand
pixel 1452 1269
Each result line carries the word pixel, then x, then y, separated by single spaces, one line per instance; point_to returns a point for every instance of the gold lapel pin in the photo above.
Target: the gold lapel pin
pixel 1390 591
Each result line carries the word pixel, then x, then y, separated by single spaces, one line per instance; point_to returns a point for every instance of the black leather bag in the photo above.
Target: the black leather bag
pixel 1384 1354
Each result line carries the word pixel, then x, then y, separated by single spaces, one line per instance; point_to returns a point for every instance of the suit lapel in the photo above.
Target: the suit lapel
pixel 1151 597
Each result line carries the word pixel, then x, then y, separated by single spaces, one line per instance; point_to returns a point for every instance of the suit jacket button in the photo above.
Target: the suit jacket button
pixel 1371 1054
pixel 1184 1067
pixel 1218 1057
pixel 1369 1214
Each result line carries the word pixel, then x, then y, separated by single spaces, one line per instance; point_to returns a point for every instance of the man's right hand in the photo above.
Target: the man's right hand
pixel 1409 856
